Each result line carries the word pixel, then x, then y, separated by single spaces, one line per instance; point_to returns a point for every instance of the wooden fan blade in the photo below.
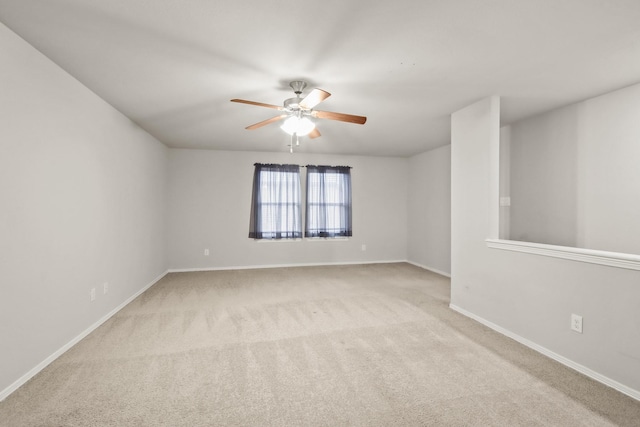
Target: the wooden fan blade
pixel 314 133
pixel 259 104
pixel 314 98
pixel 339 116
pixel 266 122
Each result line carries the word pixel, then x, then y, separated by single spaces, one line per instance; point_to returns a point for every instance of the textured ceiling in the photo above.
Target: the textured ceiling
pixel 173 66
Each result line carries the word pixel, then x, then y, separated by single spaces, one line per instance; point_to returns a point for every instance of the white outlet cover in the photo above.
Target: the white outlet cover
pixel 576 323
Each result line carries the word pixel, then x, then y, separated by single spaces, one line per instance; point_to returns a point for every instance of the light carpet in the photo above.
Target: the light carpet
pixel 365 345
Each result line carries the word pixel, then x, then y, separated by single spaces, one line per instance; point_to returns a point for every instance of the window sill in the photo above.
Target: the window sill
pixel 591 256
pixel 277 240
pixel 320 239
pixel 305 239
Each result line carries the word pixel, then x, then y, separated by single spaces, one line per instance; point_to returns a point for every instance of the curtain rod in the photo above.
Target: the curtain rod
pixel 302 166
pixel 326 166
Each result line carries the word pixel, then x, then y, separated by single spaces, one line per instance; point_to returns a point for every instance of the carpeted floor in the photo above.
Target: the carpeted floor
pixel 369 345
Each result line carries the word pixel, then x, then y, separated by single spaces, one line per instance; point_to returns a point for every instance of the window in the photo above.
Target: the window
pixel 275 202
pixel 328 201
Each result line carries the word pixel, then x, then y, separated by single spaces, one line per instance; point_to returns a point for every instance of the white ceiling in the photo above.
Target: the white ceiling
pixel 173 65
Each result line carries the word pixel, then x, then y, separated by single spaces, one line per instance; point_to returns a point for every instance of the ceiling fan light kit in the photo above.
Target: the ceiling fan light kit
pixel 300 126
pixel 297 112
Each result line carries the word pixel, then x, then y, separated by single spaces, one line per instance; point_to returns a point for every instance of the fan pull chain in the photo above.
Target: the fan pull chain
pixel 291 144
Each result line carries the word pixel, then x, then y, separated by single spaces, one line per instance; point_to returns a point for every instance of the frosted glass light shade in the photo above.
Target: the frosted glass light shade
pixel 300 126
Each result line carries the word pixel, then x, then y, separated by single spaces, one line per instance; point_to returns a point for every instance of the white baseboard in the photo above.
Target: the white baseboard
pixel 26 377
pixel 435 270
pixel 252 267
pixel 558 358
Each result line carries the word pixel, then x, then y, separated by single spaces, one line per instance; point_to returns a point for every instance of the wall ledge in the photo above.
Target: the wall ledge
pixel 591 256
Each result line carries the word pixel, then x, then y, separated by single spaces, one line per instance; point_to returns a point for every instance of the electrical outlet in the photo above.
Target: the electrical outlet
pixel 206 252
pixel 364 248
pixel 105 287
pixel 576 323
pixel 93 294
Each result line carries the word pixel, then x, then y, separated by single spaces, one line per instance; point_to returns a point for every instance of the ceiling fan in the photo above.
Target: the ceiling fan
pixel 296 112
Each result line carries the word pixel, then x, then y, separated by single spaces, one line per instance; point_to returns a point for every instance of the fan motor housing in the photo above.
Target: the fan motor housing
pixel 293 103
pixel 298 86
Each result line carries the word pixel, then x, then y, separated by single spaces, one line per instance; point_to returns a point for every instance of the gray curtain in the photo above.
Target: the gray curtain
pixel 328 209
pixel 275 202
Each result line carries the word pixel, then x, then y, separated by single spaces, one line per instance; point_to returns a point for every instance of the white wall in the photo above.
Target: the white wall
pixel 575 174
pixel 505 183
pixel 429 225
pixel 531 297
pixel 544 178
pixel 210 196
pixel 82 190
pixel 609 172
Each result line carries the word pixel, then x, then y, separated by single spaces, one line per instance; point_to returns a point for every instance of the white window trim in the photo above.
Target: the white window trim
pixel 332 239
pixel 307 239
pixel 592 256
pixel 283 240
